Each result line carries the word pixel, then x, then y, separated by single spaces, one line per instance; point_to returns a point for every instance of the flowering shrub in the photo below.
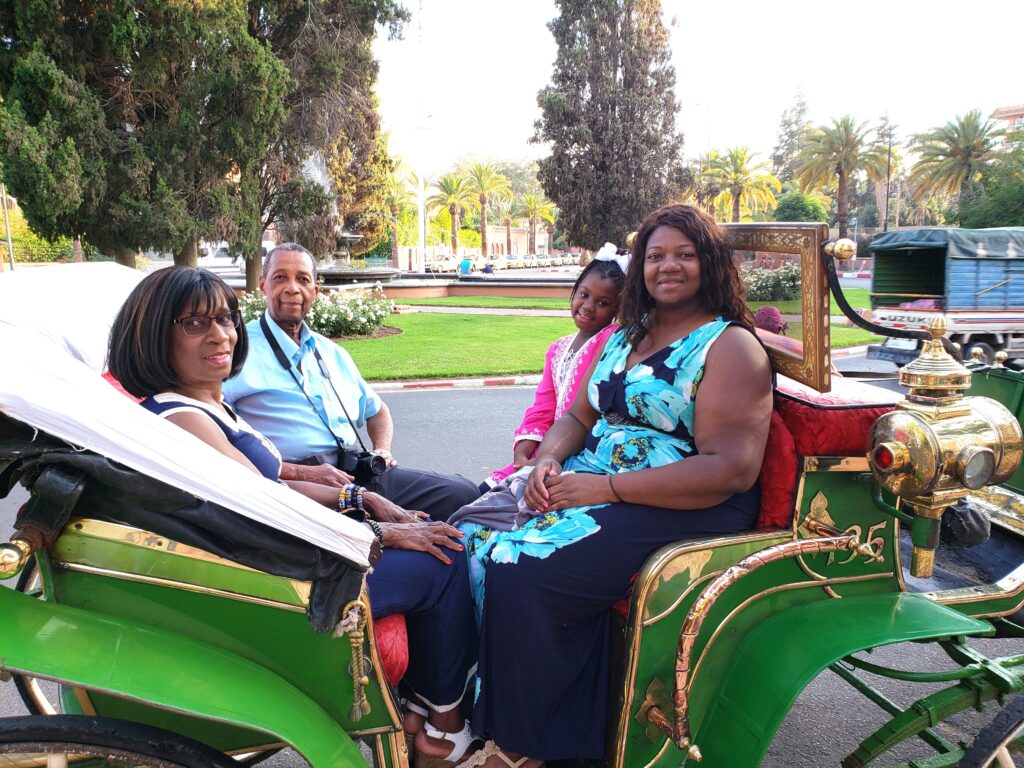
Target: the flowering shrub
pixel 334 313
pixel 782 284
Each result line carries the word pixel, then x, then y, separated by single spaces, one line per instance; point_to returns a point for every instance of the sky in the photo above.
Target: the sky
pixel 463 82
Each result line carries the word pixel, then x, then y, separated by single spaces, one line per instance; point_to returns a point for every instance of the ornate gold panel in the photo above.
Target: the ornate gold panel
pixel 809 362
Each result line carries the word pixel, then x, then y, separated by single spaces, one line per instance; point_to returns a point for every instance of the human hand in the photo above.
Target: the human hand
pixel 384 511
pixel 423 536
pixel 576 489
pixel 536 494
pixel 522 454
pixel 385 454
pixel 323 474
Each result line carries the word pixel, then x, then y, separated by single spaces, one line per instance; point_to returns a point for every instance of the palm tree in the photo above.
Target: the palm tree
pixel 506 210
pixel 536 207
pixel 707 181
pixel 745 182
pixel 953 157
pixel 453 193
pixel 488 185
pixel 839 150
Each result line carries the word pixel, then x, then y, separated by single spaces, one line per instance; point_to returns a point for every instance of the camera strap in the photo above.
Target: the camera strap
pixel 286 363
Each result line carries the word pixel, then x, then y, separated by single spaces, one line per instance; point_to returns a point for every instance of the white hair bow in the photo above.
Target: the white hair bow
pixel 608 252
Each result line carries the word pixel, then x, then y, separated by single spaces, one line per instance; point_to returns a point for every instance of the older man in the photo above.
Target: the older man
pixel 305 393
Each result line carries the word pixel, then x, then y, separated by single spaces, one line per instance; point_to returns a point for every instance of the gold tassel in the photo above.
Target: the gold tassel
pixel 360 704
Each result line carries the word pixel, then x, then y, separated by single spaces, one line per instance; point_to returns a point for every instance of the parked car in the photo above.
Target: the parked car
pixel 441 264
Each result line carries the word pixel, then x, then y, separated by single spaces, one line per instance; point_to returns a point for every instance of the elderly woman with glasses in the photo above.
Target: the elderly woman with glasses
pixel 177 338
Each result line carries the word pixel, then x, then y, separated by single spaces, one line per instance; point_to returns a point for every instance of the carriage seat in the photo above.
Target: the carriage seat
pixel 806 422
pixel 390 633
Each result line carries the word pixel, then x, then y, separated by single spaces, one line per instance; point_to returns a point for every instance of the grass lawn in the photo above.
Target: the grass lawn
pixel 445 346
pixel 449 346
pixel 858 298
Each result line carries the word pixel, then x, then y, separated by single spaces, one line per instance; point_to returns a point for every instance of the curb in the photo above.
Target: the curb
pixel 493 381
pixel 530 380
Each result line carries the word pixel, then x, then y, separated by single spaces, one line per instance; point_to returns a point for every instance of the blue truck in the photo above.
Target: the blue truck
pixel 973 277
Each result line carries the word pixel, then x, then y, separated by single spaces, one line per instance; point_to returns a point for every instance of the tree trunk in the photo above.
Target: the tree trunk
pixel 124 256
pixel 455 230
pixel 898 189
pixel 880 203
pixel 253 270
pixel 76 250
pixel 735 206
pixel 483 226
pixel 532 242
pixel 188 256
pixel 844 202
pixel 508 236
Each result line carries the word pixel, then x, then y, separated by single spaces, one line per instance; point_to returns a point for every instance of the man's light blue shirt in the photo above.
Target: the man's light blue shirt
pixel 270 400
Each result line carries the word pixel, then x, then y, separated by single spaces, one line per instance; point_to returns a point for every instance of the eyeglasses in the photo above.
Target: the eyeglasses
pixel 199 325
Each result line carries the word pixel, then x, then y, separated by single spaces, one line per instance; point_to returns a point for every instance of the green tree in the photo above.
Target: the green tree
pixel 798 206
pixel 745 182
pixel 838 151
pixel 536 208
pixel 361 175
pixel 1001 203
pixel 326 47
pixel 488 184
pixel 609 117
pixel 793 128
pixel 453 195
pixel 953 158
pixel 131 129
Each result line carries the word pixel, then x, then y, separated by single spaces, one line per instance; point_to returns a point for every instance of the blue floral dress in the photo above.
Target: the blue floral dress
pixel 646 421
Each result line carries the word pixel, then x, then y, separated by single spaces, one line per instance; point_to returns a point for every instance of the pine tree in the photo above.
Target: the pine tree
pixel 792 132
pixel 609 116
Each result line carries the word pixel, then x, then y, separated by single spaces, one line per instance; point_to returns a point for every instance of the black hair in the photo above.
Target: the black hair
pixel 288 248
pixel 721 288
pixel 606 269
pixel 138 350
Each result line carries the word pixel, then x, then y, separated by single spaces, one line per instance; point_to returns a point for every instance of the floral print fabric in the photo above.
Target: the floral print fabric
pixel 646 421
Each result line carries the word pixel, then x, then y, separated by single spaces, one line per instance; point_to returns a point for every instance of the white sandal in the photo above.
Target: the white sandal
pixel 462 741
pixel 491 749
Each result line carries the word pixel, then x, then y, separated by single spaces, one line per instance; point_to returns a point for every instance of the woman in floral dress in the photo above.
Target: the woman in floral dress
pixel 667 445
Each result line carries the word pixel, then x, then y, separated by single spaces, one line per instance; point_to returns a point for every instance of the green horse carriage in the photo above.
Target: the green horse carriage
pixel 141 638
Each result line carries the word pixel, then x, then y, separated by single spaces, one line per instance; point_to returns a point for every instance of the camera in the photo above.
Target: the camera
pixel 362 465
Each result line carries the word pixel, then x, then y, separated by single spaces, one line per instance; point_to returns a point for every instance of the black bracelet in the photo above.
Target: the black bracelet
pixel 376 530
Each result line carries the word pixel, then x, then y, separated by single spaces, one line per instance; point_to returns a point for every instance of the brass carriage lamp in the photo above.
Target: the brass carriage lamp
pixel 938 445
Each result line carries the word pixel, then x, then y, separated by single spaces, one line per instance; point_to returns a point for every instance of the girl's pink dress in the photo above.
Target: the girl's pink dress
pixel 562 377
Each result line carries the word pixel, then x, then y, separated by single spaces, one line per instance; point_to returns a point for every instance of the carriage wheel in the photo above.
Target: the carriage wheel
pixel 65 741
pixel 988 354
pixel 992 748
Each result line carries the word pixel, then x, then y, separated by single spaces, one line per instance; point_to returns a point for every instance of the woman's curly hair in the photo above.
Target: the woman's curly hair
pixel 721 289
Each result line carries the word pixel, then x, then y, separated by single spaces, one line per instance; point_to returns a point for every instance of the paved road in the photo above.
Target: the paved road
pixel 468 431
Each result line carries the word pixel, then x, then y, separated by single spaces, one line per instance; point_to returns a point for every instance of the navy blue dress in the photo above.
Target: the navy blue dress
pixel 549 585
pixel 434 597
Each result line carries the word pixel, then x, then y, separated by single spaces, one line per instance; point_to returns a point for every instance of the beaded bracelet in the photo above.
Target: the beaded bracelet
pixel 377 532
pixel 350 497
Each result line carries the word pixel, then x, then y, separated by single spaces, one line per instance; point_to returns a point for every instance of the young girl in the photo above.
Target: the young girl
pixel 593 304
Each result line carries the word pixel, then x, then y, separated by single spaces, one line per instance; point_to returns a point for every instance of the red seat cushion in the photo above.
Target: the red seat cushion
pixel 392 645
pixel 778 476
pixel 836 423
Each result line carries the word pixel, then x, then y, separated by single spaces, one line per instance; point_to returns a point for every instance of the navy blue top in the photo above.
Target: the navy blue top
pixel 250 443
